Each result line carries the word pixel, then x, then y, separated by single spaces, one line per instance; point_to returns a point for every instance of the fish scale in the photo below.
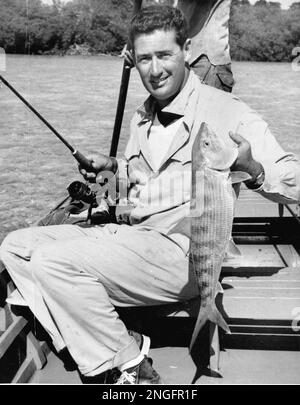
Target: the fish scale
pixel 211 231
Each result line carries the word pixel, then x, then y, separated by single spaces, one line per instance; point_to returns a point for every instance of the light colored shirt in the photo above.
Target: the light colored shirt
pixel 160 139
pixel 161 195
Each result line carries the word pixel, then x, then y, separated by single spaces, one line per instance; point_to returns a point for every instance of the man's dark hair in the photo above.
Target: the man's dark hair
pixel 159 17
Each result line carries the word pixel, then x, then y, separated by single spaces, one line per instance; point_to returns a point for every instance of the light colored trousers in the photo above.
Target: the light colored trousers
pixel 72 278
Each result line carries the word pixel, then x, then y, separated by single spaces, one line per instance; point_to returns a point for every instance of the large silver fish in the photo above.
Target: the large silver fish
pixel 211 212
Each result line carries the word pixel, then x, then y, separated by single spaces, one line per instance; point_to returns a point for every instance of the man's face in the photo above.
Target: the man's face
pixel 160 62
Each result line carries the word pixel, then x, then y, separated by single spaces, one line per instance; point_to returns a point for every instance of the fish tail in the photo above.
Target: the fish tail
pixel 232 249
pixel 208 313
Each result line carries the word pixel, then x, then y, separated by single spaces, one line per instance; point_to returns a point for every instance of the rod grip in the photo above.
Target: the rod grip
pixel 84 162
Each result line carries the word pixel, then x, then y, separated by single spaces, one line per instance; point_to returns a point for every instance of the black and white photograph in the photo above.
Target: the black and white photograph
pixel 150 195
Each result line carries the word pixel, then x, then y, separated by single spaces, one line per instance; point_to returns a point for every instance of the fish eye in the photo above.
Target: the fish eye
pixel 206 143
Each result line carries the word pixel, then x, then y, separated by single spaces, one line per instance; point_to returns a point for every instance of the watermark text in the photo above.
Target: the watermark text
pixel 296 60
pixel 296 319
pixel 2 60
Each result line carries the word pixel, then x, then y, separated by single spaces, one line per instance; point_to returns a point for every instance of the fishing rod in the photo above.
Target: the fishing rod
pixel 84 162
pixel 122 95
pixel 121 102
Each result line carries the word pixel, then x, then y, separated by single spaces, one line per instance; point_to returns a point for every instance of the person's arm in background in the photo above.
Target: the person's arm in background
pixel 208 22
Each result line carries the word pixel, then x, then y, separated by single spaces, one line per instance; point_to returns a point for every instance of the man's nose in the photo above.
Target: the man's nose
pixel 156 67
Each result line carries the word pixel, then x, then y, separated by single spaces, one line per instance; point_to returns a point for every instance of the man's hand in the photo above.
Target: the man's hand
pixel 99 164
pixel 129 59
pixel 245 162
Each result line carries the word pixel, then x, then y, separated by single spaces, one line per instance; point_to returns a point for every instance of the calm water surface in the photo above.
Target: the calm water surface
pixel 78 95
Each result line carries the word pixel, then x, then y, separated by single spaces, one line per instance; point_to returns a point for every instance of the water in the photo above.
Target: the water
pixel 78 96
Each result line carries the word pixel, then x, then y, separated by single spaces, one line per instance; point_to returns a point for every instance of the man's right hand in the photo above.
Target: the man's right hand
pixel 99 163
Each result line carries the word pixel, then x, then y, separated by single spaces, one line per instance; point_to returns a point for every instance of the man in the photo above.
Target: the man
pixel 72 278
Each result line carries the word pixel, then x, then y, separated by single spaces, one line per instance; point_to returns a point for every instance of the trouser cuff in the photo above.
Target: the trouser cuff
pixel 126 354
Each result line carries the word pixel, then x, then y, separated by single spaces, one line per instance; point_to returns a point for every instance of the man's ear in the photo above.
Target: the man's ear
pixel 187 49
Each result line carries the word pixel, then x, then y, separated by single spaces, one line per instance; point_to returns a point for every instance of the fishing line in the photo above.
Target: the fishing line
pixel 27 137
pixel 27 50
pixel 81 159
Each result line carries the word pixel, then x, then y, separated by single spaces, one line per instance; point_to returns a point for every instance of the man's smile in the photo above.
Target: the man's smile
pixel 159 82
pixel 161 63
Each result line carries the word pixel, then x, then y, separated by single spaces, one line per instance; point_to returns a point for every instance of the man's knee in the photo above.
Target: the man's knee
pixel 40 262
pixel 51 261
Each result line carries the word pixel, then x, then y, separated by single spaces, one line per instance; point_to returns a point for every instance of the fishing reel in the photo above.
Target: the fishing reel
pixel 81 192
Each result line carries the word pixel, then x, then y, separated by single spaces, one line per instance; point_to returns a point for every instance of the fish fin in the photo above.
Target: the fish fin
pixel 239 177
pixel 219 289
pixel 218 319
pixel 214 359
pixel 208 313
pixel 232 249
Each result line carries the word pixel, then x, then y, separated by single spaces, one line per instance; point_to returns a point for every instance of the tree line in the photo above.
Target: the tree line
pixel 263 31
pixel 260 32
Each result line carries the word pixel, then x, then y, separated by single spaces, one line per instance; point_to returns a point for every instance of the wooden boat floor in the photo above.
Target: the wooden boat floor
pixel 176 367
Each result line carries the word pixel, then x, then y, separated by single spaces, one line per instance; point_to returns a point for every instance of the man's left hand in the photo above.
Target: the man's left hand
pixel 245 161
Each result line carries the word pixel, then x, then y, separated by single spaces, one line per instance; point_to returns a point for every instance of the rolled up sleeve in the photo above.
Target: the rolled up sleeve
pixel 282 169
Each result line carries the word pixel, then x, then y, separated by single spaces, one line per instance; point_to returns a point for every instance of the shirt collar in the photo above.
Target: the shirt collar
pixel 179 106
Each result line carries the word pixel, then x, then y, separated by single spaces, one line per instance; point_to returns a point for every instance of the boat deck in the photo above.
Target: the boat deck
pixel 238 366
pixel 261 303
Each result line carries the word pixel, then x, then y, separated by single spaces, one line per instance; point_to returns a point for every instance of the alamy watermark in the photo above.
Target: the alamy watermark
pixel 159 192
pixel 2 60
pixel 296 319
pixel 164 191
pixel 296 61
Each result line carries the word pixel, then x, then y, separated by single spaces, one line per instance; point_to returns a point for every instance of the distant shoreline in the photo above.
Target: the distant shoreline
pixel 261 32
pixel 119 56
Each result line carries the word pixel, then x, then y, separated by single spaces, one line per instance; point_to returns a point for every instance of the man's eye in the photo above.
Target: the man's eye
pixel 144 59
pixel 165 56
